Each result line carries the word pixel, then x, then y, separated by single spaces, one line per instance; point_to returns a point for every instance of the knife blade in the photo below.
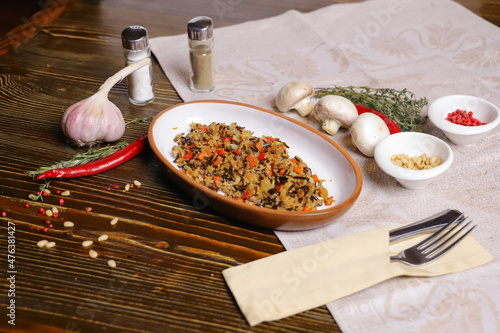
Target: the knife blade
pixel 429 223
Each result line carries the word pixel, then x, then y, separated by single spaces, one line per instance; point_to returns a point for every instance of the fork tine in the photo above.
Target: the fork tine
pixel 460 219
pixel 435 254
pixel 438 244
pixel 445 235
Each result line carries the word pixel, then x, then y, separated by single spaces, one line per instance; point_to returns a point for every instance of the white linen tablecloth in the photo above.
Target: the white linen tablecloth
pixel 431 47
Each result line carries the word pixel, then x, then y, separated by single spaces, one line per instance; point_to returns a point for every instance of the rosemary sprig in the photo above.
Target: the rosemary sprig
pixel 401 106
pixel 92 154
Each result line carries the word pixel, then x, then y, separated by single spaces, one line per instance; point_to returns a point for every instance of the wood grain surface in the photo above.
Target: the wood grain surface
pixel 169 249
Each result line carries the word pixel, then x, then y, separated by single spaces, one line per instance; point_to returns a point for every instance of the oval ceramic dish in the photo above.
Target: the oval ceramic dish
pixel 325 158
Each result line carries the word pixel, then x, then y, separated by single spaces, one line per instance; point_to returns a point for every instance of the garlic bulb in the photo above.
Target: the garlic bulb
pixel 97 119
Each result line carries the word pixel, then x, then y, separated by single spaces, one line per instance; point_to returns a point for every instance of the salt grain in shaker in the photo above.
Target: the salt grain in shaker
pixel 136 47
pixel 201 41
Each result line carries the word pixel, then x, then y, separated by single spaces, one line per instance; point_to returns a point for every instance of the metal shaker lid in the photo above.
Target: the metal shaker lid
pixel 200 28
pixel 135 37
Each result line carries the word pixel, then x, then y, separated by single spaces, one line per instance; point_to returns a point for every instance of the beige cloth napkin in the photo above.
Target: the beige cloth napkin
pixel 431 47
pixel 294 281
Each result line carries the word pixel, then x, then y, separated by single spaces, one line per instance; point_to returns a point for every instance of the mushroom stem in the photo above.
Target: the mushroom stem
pixel 331 126
pixel 304 107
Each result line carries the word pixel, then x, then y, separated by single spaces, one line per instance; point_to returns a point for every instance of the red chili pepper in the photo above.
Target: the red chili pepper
pixel 189 155
pixel 269 139
pixel 104 164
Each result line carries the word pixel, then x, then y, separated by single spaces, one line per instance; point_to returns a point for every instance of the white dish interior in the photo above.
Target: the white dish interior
pixel 316 150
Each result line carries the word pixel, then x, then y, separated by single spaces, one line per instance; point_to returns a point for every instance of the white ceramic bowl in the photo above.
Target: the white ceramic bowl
pixel 412 144
pixel 483 110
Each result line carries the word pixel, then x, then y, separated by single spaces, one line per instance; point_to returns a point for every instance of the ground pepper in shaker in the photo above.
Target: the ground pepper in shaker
pixel 136 47
pixel 201 42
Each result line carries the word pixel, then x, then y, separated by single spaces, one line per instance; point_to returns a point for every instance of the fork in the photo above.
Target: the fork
pixel 437 244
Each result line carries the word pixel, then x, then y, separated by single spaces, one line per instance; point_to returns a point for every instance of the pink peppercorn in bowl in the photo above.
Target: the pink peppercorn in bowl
pixel 486 112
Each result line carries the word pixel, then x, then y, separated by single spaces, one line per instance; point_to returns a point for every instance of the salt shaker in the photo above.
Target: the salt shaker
pixel 201 42
pixel 136 47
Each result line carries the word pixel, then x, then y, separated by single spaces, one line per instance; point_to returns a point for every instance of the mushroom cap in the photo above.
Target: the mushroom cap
pixel 367 131
pixel 335 107
pixel 292 93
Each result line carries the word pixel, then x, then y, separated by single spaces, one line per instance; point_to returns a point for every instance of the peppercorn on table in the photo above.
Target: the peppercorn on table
pixel 122 250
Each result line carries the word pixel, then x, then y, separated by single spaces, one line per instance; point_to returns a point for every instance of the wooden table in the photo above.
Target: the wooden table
pixel 169 253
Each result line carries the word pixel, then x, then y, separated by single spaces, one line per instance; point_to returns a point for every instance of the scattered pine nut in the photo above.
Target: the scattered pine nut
pixel 111 263
pixel 102 238
pixel 137 183
pixel 42 243
pixel 68 224
pixel 50 244
pixel 65 193
pixel 114 221
pixel 48 212
pixel 93 254
pixel 55 210
pixel 47 191
pixel 127 187
pixel 87 243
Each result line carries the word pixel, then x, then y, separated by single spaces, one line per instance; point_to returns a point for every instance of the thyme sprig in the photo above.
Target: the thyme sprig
pixel 39 195
pixel 401 106
pixel 138 121
pixel 93 154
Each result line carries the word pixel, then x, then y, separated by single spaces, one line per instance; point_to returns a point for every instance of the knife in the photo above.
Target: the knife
pixel 429 223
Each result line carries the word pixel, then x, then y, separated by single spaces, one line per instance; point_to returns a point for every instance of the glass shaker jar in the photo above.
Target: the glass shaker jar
pixel 201 42
pixel 136 47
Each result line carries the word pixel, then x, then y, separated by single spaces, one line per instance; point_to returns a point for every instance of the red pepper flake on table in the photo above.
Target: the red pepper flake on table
pixel 93 162
pixel 462 117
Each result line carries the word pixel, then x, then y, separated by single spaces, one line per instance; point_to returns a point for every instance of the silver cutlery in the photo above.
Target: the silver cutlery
pixel 436 245
pixel 429 223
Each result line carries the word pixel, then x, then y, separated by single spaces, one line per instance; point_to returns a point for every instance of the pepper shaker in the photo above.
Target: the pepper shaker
pixel 201 42
pixel 136 47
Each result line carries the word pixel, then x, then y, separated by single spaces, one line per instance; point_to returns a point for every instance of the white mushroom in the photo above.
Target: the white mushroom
pixel 367 131
pixel 295 95
pixel 335 112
